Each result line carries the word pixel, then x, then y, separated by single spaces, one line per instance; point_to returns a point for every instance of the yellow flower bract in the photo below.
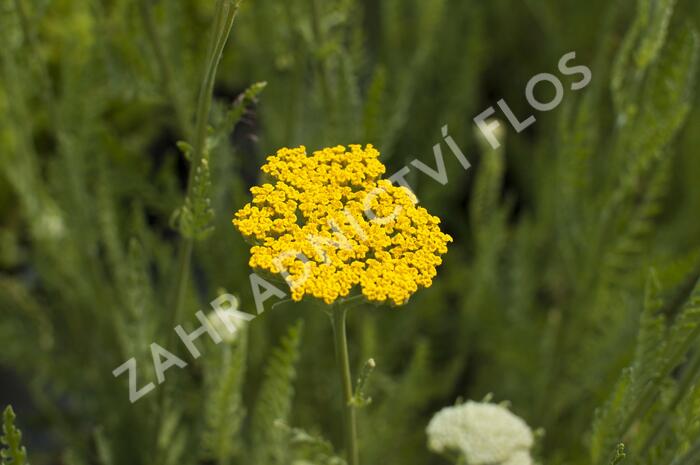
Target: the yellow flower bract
pixel 328 223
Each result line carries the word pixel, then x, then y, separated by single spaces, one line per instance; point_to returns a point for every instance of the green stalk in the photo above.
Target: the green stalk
pixel 224 16
pixel 225 13
pixel 338 318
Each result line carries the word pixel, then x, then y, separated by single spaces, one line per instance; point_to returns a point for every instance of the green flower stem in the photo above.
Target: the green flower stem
pixel 224 16
pixel 338 318
pixel 225 13
pixel 184 260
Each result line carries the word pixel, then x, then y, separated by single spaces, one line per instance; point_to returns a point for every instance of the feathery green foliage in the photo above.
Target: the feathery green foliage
pixel 274 402
pixel 224 410
pixel 310 448
pixel 13 452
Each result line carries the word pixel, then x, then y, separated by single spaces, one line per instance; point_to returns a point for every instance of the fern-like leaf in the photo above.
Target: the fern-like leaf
pixel 224 411
pixel 14 452
pixel 196 215
pixel 275 400
pixel 234 114
pixel 310 448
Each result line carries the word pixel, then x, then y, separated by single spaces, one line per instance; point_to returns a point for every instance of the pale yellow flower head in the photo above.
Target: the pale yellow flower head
pixel 328 223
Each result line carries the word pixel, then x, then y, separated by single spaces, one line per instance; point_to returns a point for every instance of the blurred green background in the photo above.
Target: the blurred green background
pixel 538 300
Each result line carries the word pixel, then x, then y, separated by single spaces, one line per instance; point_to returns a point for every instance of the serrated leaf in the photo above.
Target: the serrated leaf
pixel 275 400
pixel 224 410
pixel 234 115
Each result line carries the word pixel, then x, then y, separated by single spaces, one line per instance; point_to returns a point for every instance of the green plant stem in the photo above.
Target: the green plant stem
pixel 338 318
pixel 225 14
pixel 183 272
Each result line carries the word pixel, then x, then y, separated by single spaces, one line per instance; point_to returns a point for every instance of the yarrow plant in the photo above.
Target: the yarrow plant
pixel 481 433
pixel 328 224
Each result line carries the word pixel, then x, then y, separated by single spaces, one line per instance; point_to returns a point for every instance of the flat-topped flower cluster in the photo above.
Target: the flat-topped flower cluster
pixel 327 222
pixel 481 433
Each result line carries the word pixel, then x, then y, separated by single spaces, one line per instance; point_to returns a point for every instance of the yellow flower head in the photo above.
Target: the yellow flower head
pixel 328 222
